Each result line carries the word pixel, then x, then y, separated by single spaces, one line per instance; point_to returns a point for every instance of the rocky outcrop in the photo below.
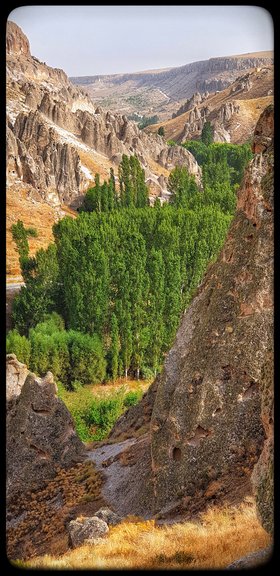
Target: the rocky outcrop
pixel 40 159
pixel 40 433
pixel 84 531
pixel 108 516
pixel 263 474
pixel 16 41
pixel 206 426
pixel 51 123
pixel 206 430
pixel 196 99
pixel 227 110
pixel 16 374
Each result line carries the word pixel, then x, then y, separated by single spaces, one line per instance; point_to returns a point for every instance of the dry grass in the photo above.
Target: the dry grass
pixel 215 540
pixel 128 385
pixel 40 516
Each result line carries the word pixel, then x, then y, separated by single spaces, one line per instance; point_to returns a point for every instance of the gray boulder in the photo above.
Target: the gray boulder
pixel 86 531
pixel 110 517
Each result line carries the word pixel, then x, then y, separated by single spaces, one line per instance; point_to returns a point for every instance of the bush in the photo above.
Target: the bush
pixel 132 398
pixel 18 345
pixel 86 357
pixel 94 417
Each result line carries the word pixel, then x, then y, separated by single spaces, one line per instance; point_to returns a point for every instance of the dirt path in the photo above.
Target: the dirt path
pixel 114 473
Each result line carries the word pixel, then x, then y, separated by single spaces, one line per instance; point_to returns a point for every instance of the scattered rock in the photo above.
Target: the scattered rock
pixel 252 560
pixel 86 531
pixel 110 517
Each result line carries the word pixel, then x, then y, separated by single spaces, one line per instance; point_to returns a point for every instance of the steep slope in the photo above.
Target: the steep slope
pixel 206 433
pixel 158 91
pixel 233 112
pixel 57 139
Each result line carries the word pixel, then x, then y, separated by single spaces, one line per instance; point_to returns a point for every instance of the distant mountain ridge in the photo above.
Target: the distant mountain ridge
pixel 175 83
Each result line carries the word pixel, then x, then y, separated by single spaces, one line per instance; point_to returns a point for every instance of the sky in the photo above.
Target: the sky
pixel 95 40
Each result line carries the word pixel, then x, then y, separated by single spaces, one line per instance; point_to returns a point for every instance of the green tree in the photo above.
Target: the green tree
pixel 41 291
pixel 183 187
pixel 161 131
pixel 115 347
pixel 18 345
pixel 207 134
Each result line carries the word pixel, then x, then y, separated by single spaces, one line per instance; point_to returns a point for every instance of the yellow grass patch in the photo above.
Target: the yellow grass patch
pixel 215 540
pixel 103 390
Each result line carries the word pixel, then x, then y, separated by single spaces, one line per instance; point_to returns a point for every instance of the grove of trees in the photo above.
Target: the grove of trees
pixel 105 299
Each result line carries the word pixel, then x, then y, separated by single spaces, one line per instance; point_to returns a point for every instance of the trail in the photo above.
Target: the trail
pixel 113 472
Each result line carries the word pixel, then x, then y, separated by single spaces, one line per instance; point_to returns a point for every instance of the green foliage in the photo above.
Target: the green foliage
pixel 198 149
pixel 171 143
pixel 127 275
pixel 18 345
pixel 37 298
pixel 161 131
pixel 132 398
pixel 182 185
pixel 94 417
pixel 87 363
pixel 207 134
pixel 148 121
pixel 72 356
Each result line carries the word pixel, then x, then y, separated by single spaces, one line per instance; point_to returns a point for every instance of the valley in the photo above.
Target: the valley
pixel 139 315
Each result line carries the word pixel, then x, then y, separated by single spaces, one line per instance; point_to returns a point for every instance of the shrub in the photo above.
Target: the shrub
pixel 86 357
pixel 132 398
pixel 18 345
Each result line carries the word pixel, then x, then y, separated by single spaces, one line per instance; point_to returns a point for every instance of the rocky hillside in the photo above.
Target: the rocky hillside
pixel 233 112
pixel 158 91
pixel 202 429
pixel 57 139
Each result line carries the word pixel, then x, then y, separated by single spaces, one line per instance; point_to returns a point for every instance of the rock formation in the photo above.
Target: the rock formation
pixel 51 123
pixel 40 431
pixel 16 374
pixel 233 111
pixel 206 430
pixel 205 425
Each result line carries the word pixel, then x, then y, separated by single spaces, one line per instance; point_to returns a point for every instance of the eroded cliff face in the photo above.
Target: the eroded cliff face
pixel 40 430
pixel 57 139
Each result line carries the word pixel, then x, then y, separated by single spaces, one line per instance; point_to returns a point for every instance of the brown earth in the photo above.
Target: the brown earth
pixel 252 100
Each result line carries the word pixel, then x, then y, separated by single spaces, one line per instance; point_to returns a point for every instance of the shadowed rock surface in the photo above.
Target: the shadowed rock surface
pixel 40 435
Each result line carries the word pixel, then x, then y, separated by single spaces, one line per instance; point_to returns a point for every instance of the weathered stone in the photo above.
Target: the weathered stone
pixel 263 473
pixel 40 435
pixel 252 560
pixel 16 374
pixel 57 121
pixel 16 41
pixel 110 517
pixel 86 531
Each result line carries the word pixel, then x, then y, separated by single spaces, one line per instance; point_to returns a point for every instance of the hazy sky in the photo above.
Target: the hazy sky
pixel 89 40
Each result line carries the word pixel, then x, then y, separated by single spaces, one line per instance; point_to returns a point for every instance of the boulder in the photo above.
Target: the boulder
pixel 86 531
pixel 110 517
